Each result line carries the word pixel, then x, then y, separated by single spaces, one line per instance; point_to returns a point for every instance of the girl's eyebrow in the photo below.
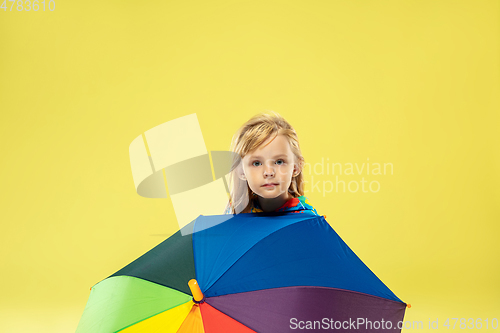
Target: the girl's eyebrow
pixel 280 155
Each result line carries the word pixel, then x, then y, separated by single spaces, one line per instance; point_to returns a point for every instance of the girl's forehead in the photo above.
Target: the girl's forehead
pixel 272 147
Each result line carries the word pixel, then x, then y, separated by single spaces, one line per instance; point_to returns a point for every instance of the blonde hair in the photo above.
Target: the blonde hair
pixel 248 138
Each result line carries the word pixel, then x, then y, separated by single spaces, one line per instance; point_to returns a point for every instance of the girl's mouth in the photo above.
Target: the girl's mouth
pixel 270 185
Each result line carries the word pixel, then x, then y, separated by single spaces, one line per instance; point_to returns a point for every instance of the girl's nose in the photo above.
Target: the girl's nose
pixel 268 172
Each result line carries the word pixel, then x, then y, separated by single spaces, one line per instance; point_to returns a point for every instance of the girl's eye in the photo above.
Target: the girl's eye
pixel 277 162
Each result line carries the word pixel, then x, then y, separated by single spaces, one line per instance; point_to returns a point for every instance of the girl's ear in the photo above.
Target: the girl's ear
pixel 296 170
pixel 241 173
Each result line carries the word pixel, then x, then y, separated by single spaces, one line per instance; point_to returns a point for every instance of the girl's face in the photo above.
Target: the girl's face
pixel 272 163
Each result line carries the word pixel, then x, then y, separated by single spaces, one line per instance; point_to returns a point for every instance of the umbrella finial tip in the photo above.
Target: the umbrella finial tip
pixel 408 305
pixel 195 290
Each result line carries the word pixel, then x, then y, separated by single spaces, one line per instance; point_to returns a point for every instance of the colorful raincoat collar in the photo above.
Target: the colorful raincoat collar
pixel 297 205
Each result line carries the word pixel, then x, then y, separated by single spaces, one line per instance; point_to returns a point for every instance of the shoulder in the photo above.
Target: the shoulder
pixel 307 204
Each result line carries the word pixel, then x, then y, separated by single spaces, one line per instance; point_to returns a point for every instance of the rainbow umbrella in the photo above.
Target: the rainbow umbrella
pixel 266 272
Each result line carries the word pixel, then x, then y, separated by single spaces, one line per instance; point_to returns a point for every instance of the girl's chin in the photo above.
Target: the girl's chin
pixel 269 194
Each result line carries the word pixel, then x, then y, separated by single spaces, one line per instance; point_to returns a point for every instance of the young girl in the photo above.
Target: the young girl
pixel 266 172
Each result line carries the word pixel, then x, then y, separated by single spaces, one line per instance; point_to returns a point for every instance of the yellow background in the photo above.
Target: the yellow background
pixel 412 83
